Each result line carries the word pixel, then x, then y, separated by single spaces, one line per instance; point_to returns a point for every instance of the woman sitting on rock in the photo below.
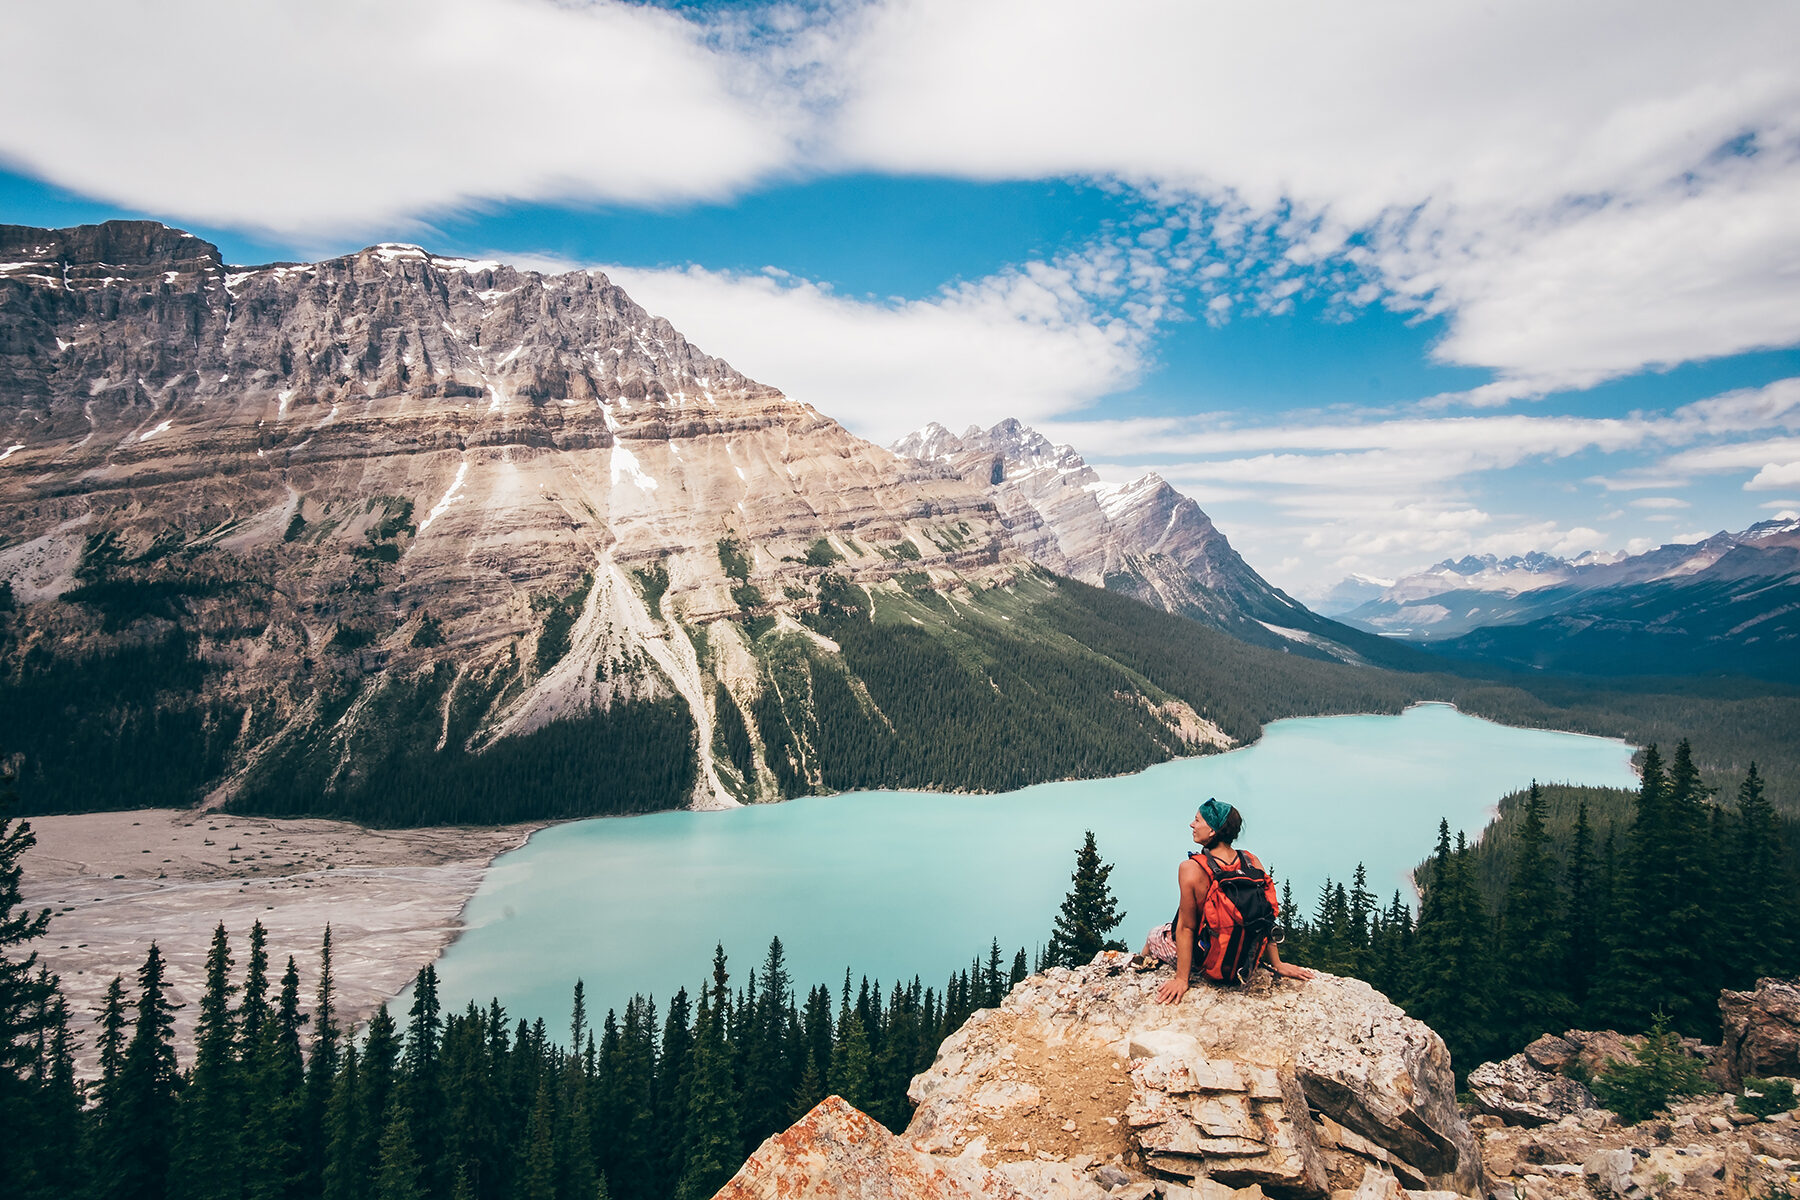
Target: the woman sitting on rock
pixel 1226 922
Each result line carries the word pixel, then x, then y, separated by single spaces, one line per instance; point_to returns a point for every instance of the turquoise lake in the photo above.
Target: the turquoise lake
pixel 893 884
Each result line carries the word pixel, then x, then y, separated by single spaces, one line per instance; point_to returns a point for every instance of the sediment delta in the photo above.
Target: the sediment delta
pixel 117 881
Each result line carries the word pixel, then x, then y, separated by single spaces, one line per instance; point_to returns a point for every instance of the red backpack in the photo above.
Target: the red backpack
pixel 1237 918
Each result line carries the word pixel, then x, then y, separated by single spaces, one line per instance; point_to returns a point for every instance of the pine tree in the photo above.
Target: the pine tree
pixel 1359 909
pixel 24 991
pixel 1018 973
pixel 993 978
pixel 59 1129
pixel 1451 990
pixel 398 1177
pixel 255 1008
pixel 631 1156
pixel 537 1176
pixel 422 1093
pixel 1762 891
pixel 321 1068
pixel 342 1175
pixel 206 1153
pixel 1625 991
pixel 576 1173
pixel 1584 911
pixel 376 1099
pixel 711 1151
pixel 142 1124
pixel 1534 996
pixel 809 1091
pixel 112 1045
pixel 674 1083
pixel 1686 924
pixel 1089 912
pixel 768 1077
pixel 274 1083
pixel 850 1056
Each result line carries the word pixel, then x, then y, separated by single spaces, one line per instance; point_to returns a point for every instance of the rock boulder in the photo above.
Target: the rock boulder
pixel 1520 1092
pixel 1296 1088
pixel 1762 1030
pixel 835 1151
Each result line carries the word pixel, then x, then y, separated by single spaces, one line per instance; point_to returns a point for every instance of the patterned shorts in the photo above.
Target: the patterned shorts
pixel 1161 942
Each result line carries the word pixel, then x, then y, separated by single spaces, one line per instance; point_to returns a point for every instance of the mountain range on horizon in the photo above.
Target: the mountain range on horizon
pixel 1722 605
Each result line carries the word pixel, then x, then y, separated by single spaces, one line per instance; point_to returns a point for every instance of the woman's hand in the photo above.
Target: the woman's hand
pixel 1290 971
pixel 1173 990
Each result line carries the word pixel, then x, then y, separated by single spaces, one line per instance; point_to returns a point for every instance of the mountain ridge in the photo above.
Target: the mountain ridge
pixel 1143 538
pixel 406 538
pixel 1719 605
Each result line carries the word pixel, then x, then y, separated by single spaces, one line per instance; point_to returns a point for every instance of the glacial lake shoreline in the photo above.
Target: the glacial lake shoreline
pixel 619 903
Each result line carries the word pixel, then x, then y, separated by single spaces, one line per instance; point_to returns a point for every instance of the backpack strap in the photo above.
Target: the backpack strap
pixel 1214 868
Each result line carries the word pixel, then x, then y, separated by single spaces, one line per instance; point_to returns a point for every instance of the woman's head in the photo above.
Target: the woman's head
pixel 1217 823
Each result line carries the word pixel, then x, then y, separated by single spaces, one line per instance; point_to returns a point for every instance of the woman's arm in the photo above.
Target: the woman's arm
pixel 1288 969
pixel 1187 921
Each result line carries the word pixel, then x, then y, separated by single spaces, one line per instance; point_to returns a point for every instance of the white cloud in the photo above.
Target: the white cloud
pixel 1026 343
pixel 1736 456
pixel 1381 103
pixel 339 115
pixel 1774 476
pixel 1547 176
pixel 1594 293
pixel 1661 502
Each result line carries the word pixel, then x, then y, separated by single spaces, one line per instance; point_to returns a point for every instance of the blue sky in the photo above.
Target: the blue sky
pixel 1376 286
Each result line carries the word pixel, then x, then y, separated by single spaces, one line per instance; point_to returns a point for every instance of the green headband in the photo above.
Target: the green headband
pixel 1215 812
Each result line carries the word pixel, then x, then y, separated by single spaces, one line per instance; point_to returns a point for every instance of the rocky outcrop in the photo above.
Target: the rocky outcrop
pixel 1080 1085
pixel 1542 1084
pixel 1762 1030
pixel 1529 1088
pixel 1702 1149
pixel 837 1153
pixel 1297 1088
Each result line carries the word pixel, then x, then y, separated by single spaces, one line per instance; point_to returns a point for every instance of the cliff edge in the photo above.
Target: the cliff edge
pixel 1081 1086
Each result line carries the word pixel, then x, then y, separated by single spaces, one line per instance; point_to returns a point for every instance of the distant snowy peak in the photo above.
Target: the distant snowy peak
pixel 933 443
pixel 1019 446
pixel 1457 595
pixel 1141 538
pixel 1765 530
pixel 1349 593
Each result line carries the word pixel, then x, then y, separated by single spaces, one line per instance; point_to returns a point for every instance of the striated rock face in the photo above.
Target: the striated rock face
pixel 1762 1030
pixel 395 506
pixel 1143 538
